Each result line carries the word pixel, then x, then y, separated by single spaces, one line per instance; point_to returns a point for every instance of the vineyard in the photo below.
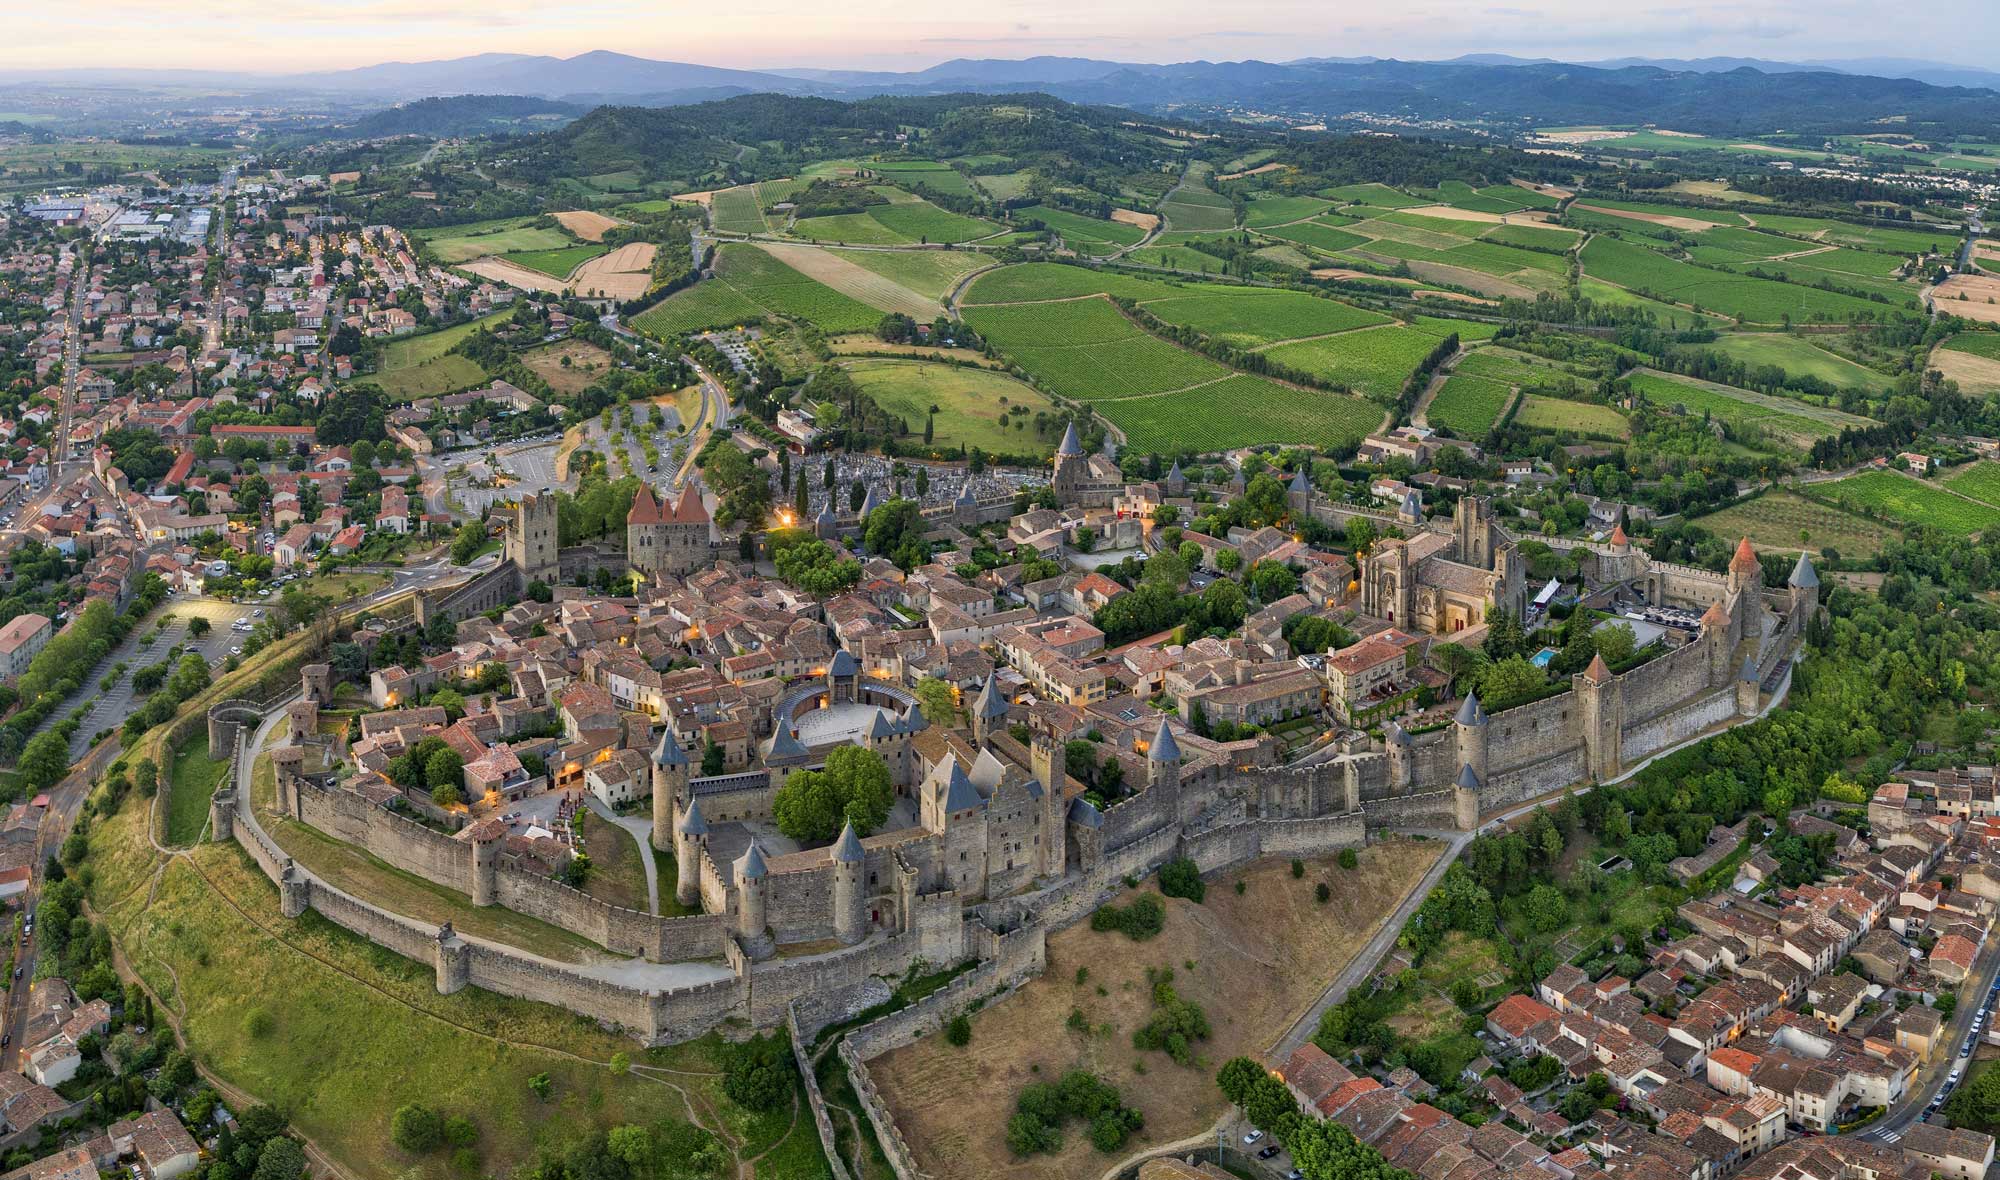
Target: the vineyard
pixel 1764 301
pixel 736 210
pixel 1037 281
pixel 1469 406
pixel 1979 480
pixel 1374 361
pixel 1888 494
pixel 1087 349
pixel 1085 235
pixel 749 283
pixel 1786 521
pixel 1269 210
pixel 1241 411
pixel 1247 317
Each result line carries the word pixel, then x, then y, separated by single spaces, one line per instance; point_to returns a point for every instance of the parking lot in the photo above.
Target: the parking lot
pixel 111 707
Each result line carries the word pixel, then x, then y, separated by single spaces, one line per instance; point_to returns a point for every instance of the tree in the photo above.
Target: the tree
pixel 416 1128
pixel 895 530
pixel 937 700
pixel 1547 909
pixel 467 542
pixel 45 760
pixel 1510 681
pixel 198 626
pixel 1615 642
pixel 711 759
pixel 853 788
pixel 282 1159
pixel 811 565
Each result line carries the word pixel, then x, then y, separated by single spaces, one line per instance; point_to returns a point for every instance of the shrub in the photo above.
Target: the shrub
pixel 1348 859
pixel 1175 1026
pixel 758 1073
pixel 959 1031
pixel 1043 1108
pixel 1141 920
pixel 1298 869
pixel 1180 878
pixel 258 1024
pixel 1323 892
pixel 416 1128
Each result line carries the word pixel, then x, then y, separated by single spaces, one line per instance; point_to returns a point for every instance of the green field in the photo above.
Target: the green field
pixel 1763 301
pixel 1889 494
pixel 1087 349
pixel 712 304
pixel 942 177
pixel 1182 258
pixel 1776 519
pixel 1037 281
pixel 1272 210
pixel 749 282
pixel 1085 235
pixel 1531 235
pixel 1318 235
pixel 1469 406
pixel 1980 480
pixel 971 403
pixel 463 243
pixel 424 365
pixel 923 222
pixel 1241 411
pixel 930 273
pixel 1785 421
pixel 1798 356
pixel 195 777
pixel 1248 317
pixel 738 210
pixel 1193 207
pixel 1557 416
pixel 1379 195
pixel 1374 362
pixel 557 263
pixel 1983 344
pixel 1692 213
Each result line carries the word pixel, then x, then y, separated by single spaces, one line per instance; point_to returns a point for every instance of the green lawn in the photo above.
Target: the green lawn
pixel 195 777
pixel 1558 416
pixel 971 403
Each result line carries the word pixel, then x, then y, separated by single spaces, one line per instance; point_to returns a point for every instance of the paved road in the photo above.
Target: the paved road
pixel 641 828
pixel 1898 1119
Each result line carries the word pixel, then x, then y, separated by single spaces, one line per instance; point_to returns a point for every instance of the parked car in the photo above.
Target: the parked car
pixel 1270 1149
pixel 1253 1136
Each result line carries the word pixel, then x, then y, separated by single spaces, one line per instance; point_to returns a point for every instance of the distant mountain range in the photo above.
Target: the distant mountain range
pixel 605 74
pixel 1716 95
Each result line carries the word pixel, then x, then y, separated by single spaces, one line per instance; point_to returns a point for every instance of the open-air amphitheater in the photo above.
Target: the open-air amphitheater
pixel 1001 849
